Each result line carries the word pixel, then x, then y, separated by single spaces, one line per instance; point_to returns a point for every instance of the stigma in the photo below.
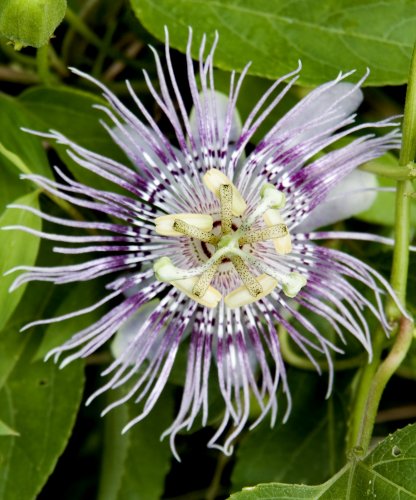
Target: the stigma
pixel 230 245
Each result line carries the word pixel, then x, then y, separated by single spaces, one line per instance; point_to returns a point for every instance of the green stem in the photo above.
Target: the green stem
pixel 376 375
pixel 401 247
pixel 84 12
pixel 81 27
pixel 56 63
pixel 42 59
pixel 396 173
pixel 9 74
pixel 365 378
pixel 381 377
pixel 105 47
pixel 77 24
pixel 14 55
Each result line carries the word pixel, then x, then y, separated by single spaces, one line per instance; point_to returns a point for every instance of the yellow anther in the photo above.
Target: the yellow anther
pixel 282 245
pixel 210 298
pixel 241 296
pixel 194 232
pixel 205 279
pixel 214 179
pixel 164 224
pixel 251 283
pixel 226 199
pixel 264 234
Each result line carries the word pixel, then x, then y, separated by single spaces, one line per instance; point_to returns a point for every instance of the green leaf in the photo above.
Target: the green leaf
pixel 40 403
pixel 387 472
pixel 301 450
pixel 135 463
pixel 71 112
pixel 17 248
pixel 27 150
pixel 37 399
pixel 327 36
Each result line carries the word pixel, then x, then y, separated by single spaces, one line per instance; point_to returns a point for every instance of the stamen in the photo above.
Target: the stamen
pixel 183 227
pixel 264 234
pixel 205 279
pixel 196 282
pixel 271 195
pixel 226 199
pixel 241 296
pixel 185 281
pixel 210 298
pixel 253 286
pixel 214 179
pixel 166 271
pixel 294 283
pixel 164 224
pixel 282 245
pixel 270 198
pixel 291 282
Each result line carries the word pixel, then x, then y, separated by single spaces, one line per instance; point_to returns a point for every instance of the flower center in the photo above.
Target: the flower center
pixel 196 282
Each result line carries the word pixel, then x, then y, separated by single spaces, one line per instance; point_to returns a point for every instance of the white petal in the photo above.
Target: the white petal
pixel 354 194
pixel 220 115
pixel 342 98
pixel 128 331
pixel 128 134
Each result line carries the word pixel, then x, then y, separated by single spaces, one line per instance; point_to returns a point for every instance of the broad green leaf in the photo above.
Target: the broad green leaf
pixel 327 36
pixel 11 186
pixel 17 248
pixel 71 112
pixel 387 472
pixel 24 146
pixel 13 117
pixel 40 402
pixel 135 463
pixel 301 450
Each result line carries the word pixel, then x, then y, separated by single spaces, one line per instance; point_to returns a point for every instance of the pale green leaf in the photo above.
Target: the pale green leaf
pixel 19 151
pixel 327 36
pixel 17 248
